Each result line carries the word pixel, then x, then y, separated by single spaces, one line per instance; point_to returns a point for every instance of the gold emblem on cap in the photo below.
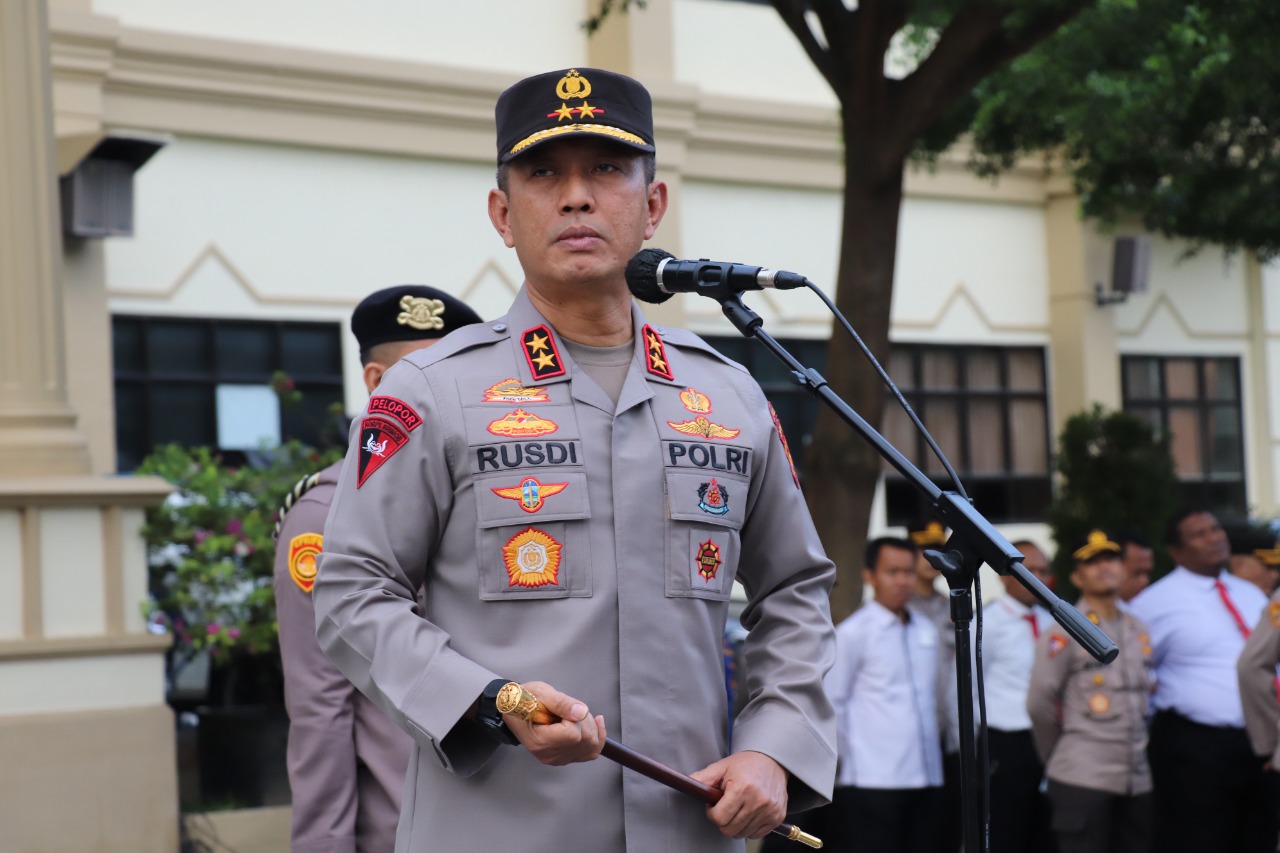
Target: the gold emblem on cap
pixel 573 85
pixel 1096 543
pixel 421 312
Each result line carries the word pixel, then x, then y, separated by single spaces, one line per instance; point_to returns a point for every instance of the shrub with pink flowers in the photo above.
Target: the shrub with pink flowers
pixel 211 550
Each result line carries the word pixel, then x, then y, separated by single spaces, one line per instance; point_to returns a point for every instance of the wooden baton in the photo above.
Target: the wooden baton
pixel 514 699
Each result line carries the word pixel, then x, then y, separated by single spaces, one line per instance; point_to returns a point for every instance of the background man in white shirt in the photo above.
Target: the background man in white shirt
pixel 1011 625
pixel 1211 792
pixel 883 686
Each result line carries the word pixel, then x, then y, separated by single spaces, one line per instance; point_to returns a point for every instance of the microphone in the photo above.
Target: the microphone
pixel 654 275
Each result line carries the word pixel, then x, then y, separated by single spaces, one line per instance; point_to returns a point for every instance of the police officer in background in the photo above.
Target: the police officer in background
pixel 346 759
pixel 1254 557
pixel 1258 686
pixel 1090 719
pixel 578 491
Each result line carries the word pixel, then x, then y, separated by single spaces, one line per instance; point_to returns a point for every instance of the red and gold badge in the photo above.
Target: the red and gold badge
pixel 511 391
pixel 532 558
pixel 1099 703
pixel 541 354
pixel 707 560
pixel 703 428
pixel 696 401
pixel 304 549
pixel 379 441
pixel 786 448
pixel 655 353
pixel 521 424
pixel 1056 644
pixel 530 493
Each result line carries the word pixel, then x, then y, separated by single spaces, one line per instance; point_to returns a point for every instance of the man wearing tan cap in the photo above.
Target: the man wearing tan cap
pixel 1090 720
pixel 577 490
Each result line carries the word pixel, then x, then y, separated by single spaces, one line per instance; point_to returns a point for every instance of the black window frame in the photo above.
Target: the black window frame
pixel 322 386
pixel 1227 491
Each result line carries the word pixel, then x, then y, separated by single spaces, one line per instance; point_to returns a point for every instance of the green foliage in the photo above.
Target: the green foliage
pixel 1117 472
pixel 1166 111
pixel 210 546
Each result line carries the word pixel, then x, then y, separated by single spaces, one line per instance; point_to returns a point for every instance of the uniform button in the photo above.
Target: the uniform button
pixel 499 327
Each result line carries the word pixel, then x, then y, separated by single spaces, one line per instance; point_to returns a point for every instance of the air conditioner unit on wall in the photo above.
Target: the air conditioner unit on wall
pixel 1130 270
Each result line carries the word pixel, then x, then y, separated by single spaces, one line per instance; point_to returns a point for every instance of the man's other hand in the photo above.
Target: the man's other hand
pixel 755 794
pixel 577 737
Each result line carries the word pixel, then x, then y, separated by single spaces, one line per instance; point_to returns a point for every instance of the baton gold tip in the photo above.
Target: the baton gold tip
pixel 798 834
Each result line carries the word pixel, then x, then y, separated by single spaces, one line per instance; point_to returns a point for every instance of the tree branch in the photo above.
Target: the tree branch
pixel 971 47
pixel 792 13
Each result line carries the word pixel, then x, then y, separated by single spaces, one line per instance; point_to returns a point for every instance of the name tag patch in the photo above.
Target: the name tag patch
pixel 520 454
pixel 689 454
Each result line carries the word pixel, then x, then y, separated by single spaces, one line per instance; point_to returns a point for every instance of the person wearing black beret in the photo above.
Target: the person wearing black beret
pixel 346 759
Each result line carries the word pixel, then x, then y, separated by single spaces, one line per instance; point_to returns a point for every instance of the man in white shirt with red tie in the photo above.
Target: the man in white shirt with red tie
pixel 1211 791
pixel 1011 625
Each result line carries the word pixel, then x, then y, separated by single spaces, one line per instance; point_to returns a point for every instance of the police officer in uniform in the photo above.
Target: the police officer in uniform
pixel 578 490
pixel 1258 685
pixel 1090 719
pixel 346 759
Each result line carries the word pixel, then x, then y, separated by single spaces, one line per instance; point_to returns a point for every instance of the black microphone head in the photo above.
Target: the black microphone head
pixel 642 276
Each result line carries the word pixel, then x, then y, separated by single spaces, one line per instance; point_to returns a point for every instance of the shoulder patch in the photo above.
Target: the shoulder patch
pixel 303 551
pixel 379 441
pixel 786 448
pixel 299 489
pixel 1057 643
pixel 398 409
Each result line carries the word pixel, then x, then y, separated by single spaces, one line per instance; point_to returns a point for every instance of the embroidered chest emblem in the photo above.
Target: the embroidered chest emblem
pixel 655 353
pixel 696 401
pixel 541 354
pixel 703 428
pixel 511 391
pixel 532 558
pixel 713 498
pixel 707 560
pixel 531 493
pixel 521 424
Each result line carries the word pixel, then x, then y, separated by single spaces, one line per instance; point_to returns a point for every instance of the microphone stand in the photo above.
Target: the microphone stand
pixel 974 541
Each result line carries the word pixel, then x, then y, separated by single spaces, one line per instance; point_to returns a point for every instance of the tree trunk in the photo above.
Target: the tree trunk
pixel 842 469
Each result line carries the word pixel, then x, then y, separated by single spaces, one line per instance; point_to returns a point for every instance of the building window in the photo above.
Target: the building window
pixel 1196 400
pixel 797 409
pixel 987 408
pixel 171 373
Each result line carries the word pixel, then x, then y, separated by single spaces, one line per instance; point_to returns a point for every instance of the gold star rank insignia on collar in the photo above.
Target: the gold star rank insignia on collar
pixel 541 353
pixel 655 354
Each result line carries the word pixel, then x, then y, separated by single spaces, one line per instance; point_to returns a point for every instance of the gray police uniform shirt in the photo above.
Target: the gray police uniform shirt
pixel 1089 720
pixel 1256 670
pixel 347 760
pixel 592 545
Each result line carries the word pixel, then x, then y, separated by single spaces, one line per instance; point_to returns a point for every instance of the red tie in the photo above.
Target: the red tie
pixel 1035 626
pixel 1235 614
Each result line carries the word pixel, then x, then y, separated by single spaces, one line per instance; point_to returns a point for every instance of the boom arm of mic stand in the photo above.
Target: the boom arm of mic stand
pixel 972 527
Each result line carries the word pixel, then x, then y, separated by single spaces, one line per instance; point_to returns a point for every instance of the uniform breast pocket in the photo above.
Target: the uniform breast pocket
pixel 705 516
pixel 531 536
